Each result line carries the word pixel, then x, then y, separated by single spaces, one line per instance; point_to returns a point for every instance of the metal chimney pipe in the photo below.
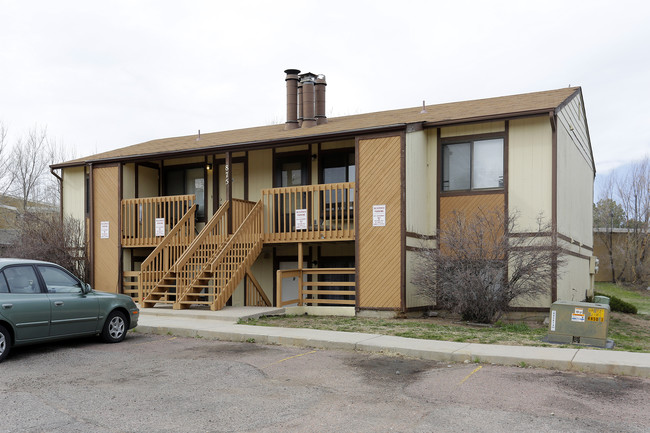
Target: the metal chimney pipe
pixel 292 98
pixel 321 117
pixel 308 99
pixel 300 104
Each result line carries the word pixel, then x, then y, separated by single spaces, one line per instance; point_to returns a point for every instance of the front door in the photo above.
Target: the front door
pixel 290 171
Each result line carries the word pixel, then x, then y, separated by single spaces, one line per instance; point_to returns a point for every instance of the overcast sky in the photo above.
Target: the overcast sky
pixel 103 75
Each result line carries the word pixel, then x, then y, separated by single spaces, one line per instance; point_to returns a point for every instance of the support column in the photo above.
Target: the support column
pixel 228 171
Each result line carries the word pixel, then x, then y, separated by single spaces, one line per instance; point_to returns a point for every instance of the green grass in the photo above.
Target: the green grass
pixel 639 298
pixel 629 332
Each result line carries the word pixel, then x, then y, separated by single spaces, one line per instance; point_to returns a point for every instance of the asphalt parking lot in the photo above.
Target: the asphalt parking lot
pixel 154 383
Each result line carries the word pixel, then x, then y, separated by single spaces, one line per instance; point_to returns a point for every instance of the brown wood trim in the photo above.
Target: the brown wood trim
pixel 120 265
pixel 466 192
pixel 356 225
pixel 91 207
pixel 487 118
pixel 574 254
pixel 421 236
pixel 573 242
pixel 228 172
pixel 403 220
pixel 438 176
pixel 554 266
pixel 473 137
pixel 420 308
pixel 568 99
pixel 529 234
pixel 136 169
pixel 418 249
pixel 245 176
pixel 379 309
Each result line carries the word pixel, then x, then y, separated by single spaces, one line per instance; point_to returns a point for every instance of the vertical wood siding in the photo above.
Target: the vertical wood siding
pixel 380 247
pixel 106 198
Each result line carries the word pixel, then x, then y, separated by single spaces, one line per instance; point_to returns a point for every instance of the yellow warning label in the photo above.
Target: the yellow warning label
pixel 596 315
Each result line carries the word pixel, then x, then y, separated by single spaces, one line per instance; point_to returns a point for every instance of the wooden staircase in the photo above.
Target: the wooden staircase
pixel 194 273
pixel 213 281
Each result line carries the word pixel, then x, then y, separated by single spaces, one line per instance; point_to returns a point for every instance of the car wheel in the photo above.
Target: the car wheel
pixel 5 343
pixel 115 327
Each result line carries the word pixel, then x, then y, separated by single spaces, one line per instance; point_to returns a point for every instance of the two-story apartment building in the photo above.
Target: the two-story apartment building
pixel 339 206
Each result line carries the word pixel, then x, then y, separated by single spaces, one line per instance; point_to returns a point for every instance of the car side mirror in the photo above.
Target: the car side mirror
pixel 87 288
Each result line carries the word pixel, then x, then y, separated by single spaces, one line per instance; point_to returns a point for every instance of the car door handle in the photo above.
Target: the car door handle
pixel 7 306
pixel 58 303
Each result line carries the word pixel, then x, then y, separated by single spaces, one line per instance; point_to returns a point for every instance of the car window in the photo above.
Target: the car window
pixel 22 279
pixel 3 284
pixel 59 281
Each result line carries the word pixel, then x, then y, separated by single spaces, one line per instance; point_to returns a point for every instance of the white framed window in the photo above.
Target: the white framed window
pixel 472 165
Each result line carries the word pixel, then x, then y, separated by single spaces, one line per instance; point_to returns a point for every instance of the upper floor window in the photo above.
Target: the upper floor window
pixel 474 164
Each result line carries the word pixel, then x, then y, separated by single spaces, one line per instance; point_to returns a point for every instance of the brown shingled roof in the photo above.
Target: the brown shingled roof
pixel 449 113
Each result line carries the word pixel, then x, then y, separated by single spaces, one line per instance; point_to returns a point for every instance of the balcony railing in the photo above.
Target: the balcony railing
pixel 139 218
pixel 309 213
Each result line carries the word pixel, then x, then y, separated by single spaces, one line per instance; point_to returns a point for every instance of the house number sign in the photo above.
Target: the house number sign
pixel 227 170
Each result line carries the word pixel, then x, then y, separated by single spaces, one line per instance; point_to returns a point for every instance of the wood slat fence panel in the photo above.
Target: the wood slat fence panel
pixel 139 217
pixel 314 296
pixel 329 208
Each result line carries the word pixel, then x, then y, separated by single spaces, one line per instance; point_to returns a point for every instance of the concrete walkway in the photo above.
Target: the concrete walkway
pixel 222 325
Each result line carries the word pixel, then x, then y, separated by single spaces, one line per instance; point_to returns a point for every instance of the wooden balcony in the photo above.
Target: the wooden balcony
pixel 139 218
pixel 309 213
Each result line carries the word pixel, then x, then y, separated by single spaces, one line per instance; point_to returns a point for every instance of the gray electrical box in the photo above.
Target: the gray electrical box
pixel 579 322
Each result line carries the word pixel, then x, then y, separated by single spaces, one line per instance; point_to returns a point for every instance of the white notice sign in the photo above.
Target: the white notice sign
pixel 301 219
pixel 104 230
pixel 379 215
pixel 160 226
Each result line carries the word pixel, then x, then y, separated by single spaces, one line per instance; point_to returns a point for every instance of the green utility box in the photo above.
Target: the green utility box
pixel 579 322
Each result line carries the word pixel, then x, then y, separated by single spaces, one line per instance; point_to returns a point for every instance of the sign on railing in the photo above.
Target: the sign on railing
pixel 145 221
pixel 310 212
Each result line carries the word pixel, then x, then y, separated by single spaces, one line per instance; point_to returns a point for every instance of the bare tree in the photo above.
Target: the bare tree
pixel 44 236
pixel 633 191
pixel 6 178
pixel 482 265
pixel 29 165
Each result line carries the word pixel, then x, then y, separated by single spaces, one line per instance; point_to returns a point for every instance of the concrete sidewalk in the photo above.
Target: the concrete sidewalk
pixel 222 325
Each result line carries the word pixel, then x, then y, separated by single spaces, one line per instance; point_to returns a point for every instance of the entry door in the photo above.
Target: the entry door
pixel 289 285
pixel 291 170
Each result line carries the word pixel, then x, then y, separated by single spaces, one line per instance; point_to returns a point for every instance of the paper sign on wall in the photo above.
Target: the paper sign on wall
pixel 160 226
pixel 301 219
pixel 379 215
pixel 104 229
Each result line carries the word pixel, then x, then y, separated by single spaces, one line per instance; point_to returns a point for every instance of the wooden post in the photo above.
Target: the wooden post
pixel 300 274
pixel 278 288
pixel 228 181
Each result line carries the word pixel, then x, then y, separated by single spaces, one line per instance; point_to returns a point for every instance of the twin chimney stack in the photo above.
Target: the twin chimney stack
pixel 305 99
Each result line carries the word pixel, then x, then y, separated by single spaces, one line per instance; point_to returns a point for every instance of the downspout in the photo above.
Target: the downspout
pixel 60 192
pixel 554 231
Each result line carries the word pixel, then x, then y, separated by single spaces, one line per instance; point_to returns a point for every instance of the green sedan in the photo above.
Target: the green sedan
pixel 41 301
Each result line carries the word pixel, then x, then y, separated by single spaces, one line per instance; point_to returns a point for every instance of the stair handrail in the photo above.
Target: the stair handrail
pixel 254 217
pixel 157 255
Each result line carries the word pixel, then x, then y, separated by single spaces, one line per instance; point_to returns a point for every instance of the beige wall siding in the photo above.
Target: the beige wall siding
pixel 417 185
pixel 74 179
pixel 337 144
pixel 572 119
pixel 575 185
pixel 182 161
pixel 432 180
pixel 128 180
pixel 413 300
pixel 147 182
pixel 530 170
pixel 260 176
pixel 573 280
pixel 473 129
